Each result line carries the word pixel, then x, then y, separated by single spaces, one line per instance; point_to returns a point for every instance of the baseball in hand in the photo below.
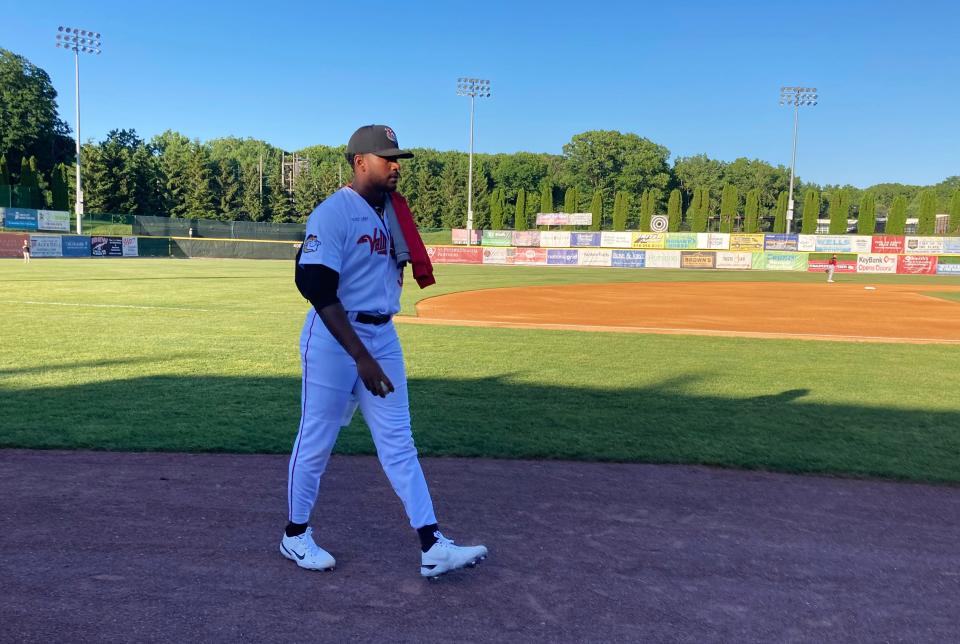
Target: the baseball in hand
pixel 384 388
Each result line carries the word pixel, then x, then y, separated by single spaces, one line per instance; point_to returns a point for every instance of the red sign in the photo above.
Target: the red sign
pixel 917 264
pixel 455 254
pixel 887 244
pixel 460 237
pixel 12 245
pixel 820 266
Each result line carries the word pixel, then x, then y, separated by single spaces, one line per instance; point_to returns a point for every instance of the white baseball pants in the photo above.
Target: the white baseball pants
pixel 331 387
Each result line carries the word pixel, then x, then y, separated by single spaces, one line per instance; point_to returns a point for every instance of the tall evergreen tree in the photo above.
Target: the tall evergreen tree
pixel 199 198
pixel 4 171
pixel 897 217
pixel 811 211
pixel 251 199
pixel 751 212
pixel 570 200
pixel 596 209
pixel 496 209
pixel 780 214
pixel 58 188
pixel 520 214
pixel 729 201
pixel 701 210
pixel 954 227
pixel 620 211
pixel 867 217
pixel 546 198
pixel 427 212
pixel 673 211
pixel 646 210
pixel 839 212
pixel 927 219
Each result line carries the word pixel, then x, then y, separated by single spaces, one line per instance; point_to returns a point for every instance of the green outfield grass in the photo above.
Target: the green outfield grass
pixel 210 363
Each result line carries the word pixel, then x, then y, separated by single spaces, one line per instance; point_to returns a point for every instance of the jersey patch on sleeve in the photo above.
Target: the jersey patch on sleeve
pixel 311 244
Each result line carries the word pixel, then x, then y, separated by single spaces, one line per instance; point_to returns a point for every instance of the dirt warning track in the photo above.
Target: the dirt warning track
pixel 846 312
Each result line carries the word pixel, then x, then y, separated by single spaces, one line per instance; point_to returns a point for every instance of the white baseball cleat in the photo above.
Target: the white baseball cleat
pixel 306 553
pixel 444 556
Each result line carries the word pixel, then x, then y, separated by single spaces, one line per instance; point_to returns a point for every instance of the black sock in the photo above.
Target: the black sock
pixel 426 536
pixel 295 529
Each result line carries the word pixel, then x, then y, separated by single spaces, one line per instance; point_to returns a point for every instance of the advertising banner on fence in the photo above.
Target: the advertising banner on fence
pixel 649 240
pixel 947 269
pixel 496 255
pixel 529 256
pixel 46 246
pixel 806 243
pixel 877 263
pixel 19 218
pixel 75 246
pixel 564 218
pixel 595 257
pixel 861 243
pixel 713 241
pixel 578 240
pixel 780 241
pixel 563 256
pixel 130 248
pixel 106 246
pixel 698 259
pixel 917 264
pixel 951 245
pixel 611 239
pixel 887 244
pixel 784 261
pixel 455 254
pixel 924 245
pixel 527 238
pixel 741 241
pixel 12 245
pixel 833 244
pixel 679 241
pixel 497 238
pixel 820 265
pixel 663 259
pixel 53 220
pixel 554 239
pixel 628 258
pixel 735 261
pixel 460 237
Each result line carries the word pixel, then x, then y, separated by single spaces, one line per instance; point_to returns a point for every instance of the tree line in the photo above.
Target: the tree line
pixel 622 178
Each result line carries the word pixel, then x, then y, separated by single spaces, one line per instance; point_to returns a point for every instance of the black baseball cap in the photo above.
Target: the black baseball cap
pixel 376 139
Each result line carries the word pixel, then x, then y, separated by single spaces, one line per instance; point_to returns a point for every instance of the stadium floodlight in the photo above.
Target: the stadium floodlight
pixel 474 88
pixel 797 97
pixel 87 42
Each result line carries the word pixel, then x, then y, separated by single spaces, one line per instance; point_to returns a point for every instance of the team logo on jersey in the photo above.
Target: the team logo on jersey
pixel 378 243
pixel 311 244
pixel 390 134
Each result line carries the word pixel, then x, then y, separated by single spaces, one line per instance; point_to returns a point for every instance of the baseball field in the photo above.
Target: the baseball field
pixel 147 408
pixel 740 370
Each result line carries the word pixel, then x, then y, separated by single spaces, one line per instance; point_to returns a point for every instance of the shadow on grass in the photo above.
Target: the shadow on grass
pixel 495 417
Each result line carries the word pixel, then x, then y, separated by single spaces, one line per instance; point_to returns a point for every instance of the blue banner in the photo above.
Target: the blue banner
pixel 948 269
pixel 951 245
pixel 19 218
pixel 76 246
pixel 563 256
pixel 585 239
pixel 628 258
pixel 780 241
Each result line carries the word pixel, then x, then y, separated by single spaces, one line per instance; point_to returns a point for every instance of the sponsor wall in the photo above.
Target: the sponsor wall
pixel 455 254
pixel 563 256
pixel 843 266
pixel 628 258
pixel 917 264
pixel 11 245
pixel 554 239
pixel 877 263
pixel 595 256
pixel 46 246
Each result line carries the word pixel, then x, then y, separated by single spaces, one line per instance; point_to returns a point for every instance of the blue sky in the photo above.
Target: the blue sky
pixel 696 77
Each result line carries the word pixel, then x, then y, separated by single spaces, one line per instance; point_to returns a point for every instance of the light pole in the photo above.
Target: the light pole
pixel 796 96
pixel 472 87
pixel 78 41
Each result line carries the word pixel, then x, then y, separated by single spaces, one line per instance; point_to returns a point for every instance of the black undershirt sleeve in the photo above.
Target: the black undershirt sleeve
pixel 317 283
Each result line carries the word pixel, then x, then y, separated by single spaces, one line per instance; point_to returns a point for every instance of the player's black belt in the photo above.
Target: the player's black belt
pixel 366 318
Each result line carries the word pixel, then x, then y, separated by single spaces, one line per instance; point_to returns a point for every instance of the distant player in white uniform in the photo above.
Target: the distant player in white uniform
pixel 351 354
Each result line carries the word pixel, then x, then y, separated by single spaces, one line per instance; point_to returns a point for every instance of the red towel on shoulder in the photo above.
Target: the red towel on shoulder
pixel 422 268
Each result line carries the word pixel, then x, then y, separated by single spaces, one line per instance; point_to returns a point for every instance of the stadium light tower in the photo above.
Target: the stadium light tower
pixel 796 96
pixel 474 88
pixel 78 41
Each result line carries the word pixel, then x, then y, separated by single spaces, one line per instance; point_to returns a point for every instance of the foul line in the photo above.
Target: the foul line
pixel 672 331
pixel 104 306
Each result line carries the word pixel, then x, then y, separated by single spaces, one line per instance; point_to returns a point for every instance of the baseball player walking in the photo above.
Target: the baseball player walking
pixel 348 269
pixel 831 268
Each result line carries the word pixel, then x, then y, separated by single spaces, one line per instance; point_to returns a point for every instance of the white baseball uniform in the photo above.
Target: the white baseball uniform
pixel 345 234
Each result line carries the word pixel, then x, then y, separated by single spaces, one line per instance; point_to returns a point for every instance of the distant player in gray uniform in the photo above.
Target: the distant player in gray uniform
pixel 351 355
pixel 831 267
